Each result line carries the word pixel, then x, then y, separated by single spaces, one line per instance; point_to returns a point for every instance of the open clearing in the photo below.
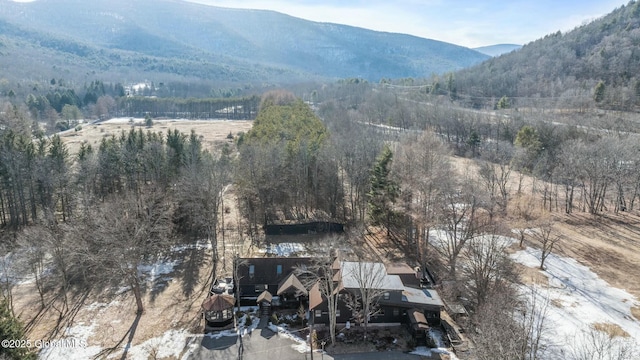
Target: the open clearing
pixel 214 132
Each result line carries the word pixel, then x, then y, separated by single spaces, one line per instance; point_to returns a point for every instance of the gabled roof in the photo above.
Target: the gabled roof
pixel 218 302
pixel 336 264
pixel 291 282
pixel 265 296
pixel 418 320
pixel 315 296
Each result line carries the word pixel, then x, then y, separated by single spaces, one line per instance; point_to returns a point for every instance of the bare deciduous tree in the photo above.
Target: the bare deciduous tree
pixel 423 166
pixel 486 266
pixel 365 281
pixel 547 239
pixel 127 233
pixel 320 274
pixel 598 345
pixel 461 219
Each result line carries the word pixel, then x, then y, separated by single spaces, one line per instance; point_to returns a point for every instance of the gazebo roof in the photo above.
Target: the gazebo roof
pixel 218 302
pixel 265 296
pixel 291 282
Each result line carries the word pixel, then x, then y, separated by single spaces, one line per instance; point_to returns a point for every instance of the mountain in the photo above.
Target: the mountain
pixel 565 69
pixel 498 49
pixel 180 38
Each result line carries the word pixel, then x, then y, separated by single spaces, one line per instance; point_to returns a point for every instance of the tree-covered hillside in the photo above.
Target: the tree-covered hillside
pixel 565 69
pixel 192 40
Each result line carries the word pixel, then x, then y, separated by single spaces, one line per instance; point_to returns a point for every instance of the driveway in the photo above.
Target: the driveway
pixel 383 355
pixel 261 344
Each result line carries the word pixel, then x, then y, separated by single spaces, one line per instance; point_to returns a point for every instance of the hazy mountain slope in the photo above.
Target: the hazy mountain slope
pixel 181 31
pixel 498 49
pixel 565 68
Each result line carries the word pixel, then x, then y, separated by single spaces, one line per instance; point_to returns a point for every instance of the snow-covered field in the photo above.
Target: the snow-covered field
pixel 127 120
pixel 579 301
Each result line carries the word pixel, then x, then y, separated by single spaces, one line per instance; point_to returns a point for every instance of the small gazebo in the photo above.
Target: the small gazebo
pixel 218 310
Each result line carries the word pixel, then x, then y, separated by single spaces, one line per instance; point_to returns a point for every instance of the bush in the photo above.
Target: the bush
pixel 431 343
pixel 249 321
pixel 411 343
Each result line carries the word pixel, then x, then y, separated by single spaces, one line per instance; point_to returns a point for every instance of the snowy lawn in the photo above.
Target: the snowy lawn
pixel 285 249
pixel 579 301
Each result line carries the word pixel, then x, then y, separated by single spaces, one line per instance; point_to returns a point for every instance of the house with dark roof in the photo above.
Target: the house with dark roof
pixel 400 299
pixel 274 282
pixel 271 282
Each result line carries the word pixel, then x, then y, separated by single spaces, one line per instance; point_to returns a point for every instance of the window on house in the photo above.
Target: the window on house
pixel 279 269
pixel 338 313
pixel 252 270
pixel 318 313
pixel 386 296
pixel 396 312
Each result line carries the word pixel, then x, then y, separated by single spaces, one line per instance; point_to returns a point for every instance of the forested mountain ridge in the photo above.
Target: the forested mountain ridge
pixel 565 68
pixel 498 49
pixel 166 36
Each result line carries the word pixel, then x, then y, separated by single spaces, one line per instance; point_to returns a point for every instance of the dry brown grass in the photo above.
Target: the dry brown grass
pixel 532 275
pixel 557 303
pixel 613 330
pixel 609 244
pixel 635 311
pixel 214 132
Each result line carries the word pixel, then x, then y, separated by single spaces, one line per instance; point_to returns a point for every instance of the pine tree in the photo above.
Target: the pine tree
pixel 11 329
pixel 384 191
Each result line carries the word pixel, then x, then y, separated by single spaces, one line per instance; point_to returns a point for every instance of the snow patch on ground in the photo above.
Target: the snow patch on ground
pixel 127 120
pixel 83 350
pixel 301 345
pixel 285 249
pixel 155 271
pixel 199 245
pixel 577 298
pixel 440 348
pixel 169 345
pixel 13 269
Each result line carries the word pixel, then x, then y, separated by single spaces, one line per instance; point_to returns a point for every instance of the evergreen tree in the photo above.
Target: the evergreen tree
pixel 11 329
pixel 598 92
pixel 384 191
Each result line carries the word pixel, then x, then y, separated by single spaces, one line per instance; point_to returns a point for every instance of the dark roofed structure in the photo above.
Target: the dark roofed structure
pixel 272 274
pixel 218 311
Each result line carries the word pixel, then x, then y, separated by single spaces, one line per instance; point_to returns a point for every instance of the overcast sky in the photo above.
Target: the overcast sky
pixel 470 23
